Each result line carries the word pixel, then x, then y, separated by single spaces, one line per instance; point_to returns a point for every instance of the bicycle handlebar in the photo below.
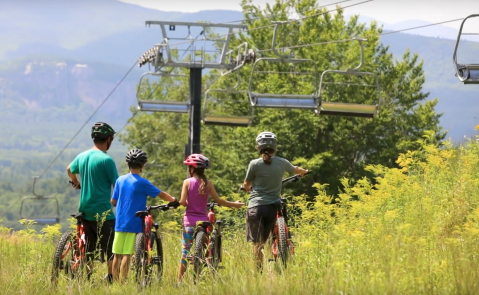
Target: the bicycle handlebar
pixel 294 178
pixel 71 182
pixel 159 207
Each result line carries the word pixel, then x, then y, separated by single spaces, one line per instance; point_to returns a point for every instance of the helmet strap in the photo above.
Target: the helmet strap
pixel 269 160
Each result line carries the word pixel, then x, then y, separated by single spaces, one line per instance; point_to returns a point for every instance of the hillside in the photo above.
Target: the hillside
pixel 62 58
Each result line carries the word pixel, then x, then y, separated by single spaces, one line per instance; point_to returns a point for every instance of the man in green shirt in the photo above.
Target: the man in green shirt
pixel 98 174
pixel 264 180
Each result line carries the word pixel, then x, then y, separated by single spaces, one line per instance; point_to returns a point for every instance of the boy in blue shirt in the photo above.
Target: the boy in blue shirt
pixel 131 191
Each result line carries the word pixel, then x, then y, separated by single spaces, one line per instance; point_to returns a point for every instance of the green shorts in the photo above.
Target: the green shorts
pixel 124 243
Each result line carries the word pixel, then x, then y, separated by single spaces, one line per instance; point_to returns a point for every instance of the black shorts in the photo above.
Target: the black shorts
pixel 106 236
pixel 260 222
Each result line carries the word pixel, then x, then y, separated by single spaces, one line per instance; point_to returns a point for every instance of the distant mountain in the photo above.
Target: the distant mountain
pixel 53 75
pixel 53 26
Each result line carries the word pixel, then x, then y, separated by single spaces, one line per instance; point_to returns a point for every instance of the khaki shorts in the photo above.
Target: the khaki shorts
pixel 260 222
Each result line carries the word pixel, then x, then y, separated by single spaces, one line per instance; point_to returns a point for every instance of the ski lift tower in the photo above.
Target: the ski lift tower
pixel 162 59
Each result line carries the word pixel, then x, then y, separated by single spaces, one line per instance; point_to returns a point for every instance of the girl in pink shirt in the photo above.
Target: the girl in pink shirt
pixel 194 196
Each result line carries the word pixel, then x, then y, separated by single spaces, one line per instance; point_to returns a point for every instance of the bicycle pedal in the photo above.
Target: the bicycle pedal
pixel 271 260
pixel 155 260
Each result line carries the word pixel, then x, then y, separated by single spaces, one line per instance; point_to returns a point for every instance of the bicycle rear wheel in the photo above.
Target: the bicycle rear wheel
pixel 61 258
pixel 199 256
pixel 283 246
pixel 215 250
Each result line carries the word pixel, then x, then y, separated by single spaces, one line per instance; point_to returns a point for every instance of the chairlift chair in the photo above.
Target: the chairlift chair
pixel 467 73
pixel 348 109
pixel 160 105
pixel 42 220
pixel 275 100
pixel 209 117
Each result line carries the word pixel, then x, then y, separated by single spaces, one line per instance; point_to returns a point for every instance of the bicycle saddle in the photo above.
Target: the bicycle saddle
pixel 141 213
pixel 78 215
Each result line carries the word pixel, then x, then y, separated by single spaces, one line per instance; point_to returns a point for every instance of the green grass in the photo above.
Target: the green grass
pixel 414 231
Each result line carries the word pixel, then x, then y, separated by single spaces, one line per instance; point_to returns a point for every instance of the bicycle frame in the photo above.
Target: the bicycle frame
pixel 148 224
pixel 208 228
pixel 78 254
pixel 281 212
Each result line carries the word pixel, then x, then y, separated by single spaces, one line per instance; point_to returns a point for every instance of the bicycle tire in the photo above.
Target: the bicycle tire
pixel 283 246
pixel 215 250
pixel 199 256
pixel 58 262
pixel 140 259
pixel 155 269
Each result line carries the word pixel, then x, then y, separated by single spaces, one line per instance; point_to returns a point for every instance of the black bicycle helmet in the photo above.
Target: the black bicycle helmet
pixel 136 156
pixel 102 130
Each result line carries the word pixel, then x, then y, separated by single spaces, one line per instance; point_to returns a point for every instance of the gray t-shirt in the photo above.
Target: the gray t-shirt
pixel 266 188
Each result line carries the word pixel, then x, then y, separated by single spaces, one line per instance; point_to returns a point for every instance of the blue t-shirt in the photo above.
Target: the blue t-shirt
pixel 131 191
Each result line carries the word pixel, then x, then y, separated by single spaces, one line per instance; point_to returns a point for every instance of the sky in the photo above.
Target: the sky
pixel 387 11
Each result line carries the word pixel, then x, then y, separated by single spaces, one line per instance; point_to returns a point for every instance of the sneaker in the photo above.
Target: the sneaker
pixel 108 278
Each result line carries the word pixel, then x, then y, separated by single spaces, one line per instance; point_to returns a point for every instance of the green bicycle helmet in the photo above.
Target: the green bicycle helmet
pixel 102 130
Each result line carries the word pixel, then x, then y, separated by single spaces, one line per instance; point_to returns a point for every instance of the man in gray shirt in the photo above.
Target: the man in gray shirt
pixel 263 179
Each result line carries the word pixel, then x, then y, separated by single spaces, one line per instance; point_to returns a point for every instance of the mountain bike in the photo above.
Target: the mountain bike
pixel 148 258
pixel 281 245
pixel 70 255
pixel 207 240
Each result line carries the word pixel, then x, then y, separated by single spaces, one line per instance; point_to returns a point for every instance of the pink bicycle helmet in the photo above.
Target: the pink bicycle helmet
pixel 197 161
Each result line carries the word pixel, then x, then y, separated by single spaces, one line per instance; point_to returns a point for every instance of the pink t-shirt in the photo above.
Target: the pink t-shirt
pixel 196 209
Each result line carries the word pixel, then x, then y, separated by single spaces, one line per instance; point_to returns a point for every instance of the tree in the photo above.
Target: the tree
pixel 333 147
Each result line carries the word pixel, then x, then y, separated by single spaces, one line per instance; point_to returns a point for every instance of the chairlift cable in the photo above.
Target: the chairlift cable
pixel 352 39
pixel 272 25
pixel 81 128
pixel 322 6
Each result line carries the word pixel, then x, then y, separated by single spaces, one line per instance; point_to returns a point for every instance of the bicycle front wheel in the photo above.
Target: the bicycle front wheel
pixel 155 265
pixel 215 250
pixel 199 256
pixel 283 246
pixel 60 259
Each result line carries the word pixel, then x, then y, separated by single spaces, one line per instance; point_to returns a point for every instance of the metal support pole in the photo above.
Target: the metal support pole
pixel 195 112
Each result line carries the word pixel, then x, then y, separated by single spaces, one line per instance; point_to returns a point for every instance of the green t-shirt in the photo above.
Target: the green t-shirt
pixel 97 174
pixel 266 187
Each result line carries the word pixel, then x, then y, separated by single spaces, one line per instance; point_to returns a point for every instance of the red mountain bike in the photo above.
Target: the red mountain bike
pixel 207 240
pixel 148 258
pixel 70 253
pixel 282 245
